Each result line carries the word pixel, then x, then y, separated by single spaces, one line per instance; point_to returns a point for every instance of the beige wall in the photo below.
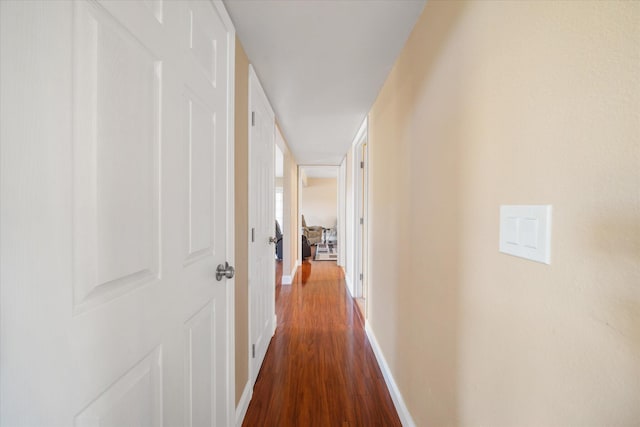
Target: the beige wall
pixel 290 202
pixel 241 218
pixel 319 202
pixel 291 171
pixel 496 103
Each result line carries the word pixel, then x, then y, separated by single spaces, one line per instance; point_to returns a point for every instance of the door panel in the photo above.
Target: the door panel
pixel 262 220
pixel 116 183
pixel 201 130
pixel 136 397
pixel 115 195
pixel 201 352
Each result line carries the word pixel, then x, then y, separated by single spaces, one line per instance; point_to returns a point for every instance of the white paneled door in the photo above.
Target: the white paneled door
pixel 115 196
pixel 262 223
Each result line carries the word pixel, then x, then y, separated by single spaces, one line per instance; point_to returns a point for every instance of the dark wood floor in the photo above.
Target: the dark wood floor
pixel 319 369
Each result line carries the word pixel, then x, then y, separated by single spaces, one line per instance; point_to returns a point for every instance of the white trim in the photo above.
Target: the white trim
pixel 361 132
pixel 230 211
pixel 273 331
pixel 360 210
pixel 261 94
pixel 287 217
pixel 349 283
pixel 243 404
pixel 288 279
pixel 299 235
pixel 396 396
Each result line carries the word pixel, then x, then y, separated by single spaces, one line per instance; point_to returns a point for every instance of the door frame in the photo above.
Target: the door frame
pixel 288 264
pixel 253 79
pixel 302 177
pixel 230 202
pixel 360 210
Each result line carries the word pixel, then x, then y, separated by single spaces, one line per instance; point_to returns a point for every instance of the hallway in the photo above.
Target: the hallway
pixel 319 369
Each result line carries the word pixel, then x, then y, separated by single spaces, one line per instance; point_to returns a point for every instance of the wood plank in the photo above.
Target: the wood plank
pixel 319 368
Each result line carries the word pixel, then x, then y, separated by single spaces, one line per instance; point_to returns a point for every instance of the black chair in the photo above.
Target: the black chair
pixel 278 241
pixel 306 248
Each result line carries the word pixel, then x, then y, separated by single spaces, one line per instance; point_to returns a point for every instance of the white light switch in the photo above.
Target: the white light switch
pixel 529 232
pixel 525 231
pixel 511 230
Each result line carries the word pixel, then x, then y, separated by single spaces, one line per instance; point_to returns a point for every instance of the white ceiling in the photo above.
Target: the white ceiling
pixel 322 64
pixel 320 171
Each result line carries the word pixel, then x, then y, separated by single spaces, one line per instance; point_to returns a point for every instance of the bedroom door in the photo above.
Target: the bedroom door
pixel 262 322
pixel 115 148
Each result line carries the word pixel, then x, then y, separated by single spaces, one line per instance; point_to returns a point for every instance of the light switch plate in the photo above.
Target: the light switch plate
pixel 525 231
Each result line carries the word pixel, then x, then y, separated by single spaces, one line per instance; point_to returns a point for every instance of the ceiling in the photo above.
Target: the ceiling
pixel 322 64
pixel 319 171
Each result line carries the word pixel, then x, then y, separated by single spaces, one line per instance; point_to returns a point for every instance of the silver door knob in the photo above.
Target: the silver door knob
pixel 224 270
pixel 273 240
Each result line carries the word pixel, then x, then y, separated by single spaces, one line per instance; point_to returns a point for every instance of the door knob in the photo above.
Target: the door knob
pixel 224 270
pixel 273 240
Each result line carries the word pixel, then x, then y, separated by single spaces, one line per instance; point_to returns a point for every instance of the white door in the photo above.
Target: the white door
pixel 115 147
pixel 262 223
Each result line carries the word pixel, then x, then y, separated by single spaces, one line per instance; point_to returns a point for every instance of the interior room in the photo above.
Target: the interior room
pixel 318 205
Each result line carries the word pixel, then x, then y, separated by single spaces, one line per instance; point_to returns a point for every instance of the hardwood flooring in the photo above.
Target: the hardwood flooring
pixel 319 369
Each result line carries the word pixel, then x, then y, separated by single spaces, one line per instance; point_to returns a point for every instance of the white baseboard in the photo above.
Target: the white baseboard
pixel 398 401
pixel 275 326
pixel 287 280
pixel 349 282
pixel 243 405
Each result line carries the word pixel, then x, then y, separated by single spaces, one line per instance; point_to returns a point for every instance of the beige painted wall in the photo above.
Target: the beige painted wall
pixel 291 173
pixel 242 219
pixel 289 183
pixel 496 103
pixel 319 202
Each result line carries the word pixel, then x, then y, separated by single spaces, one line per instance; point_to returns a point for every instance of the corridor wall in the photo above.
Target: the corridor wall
pixel 495 103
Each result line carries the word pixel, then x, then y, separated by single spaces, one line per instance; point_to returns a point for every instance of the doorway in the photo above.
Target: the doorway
pixel 280 225
pixel 262 321
pixel 318 208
